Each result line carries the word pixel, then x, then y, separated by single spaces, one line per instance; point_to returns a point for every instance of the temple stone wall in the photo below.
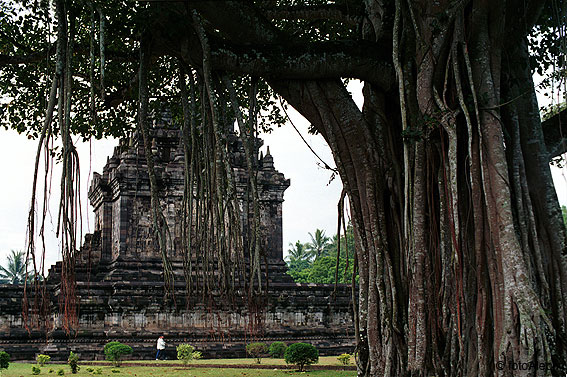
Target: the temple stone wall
pixel 135 313
pixel 119 273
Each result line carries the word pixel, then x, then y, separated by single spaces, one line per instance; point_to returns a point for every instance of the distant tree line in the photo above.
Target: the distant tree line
pixel 15 270
pixel 315 261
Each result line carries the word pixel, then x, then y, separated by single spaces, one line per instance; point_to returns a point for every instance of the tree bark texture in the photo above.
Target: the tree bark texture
pixel 478 285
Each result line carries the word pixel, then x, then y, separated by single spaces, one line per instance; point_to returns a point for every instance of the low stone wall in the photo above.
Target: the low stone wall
pixel 136 313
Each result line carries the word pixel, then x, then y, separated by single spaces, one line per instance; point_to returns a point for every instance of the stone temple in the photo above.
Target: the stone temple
pixel 119 273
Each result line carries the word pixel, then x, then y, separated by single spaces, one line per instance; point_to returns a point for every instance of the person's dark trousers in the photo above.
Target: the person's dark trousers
pixel 158 354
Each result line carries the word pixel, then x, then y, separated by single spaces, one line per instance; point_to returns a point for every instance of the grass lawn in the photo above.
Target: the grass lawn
pixel 174 368
pixel 323 360
pixel 25 370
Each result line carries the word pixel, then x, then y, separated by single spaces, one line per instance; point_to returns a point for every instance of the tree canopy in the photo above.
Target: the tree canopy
pixel 460 245
pixel 325 268
pixel 15 271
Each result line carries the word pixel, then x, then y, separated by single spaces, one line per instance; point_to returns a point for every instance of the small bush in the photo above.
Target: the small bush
pixel 186 353
pixel 257 350
pixel 344 359
pixel 277 349
pixel 51 370
pixel 98 371
pixel 108 345
pixel 35 370
pixel 301 354
pixel 60 372
pixel 4 360
pixel 42 360
pixel 73 362
pixel 115 351
pixel 90 370
pixel 115 370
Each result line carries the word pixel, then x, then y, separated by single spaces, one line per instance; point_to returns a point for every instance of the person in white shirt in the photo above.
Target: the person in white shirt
pixel 160 347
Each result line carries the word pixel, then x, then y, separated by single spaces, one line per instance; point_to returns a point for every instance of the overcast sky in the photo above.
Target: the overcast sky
pixel 310 201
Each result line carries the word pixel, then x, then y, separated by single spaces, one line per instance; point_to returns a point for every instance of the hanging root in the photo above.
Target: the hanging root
pixel 246 134
pixel 223 179
pixel 68 223
pixel 188 137
pixel 102 51
pixel 340 221
pixel 160 224
pixel 403 112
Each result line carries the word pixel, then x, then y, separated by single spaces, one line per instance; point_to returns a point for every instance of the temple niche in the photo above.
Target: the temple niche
pixel 119 271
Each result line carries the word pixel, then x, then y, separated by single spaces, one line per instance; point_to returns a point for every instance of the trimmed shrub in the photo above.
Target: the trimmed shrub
pixel 197 355
pixel 51 370
pixel 344 359
pixel 186 353
pixel 301 354
pixel 35 370
pixel 98 371
pixel 114 352
pixel 115 370
pixel 257 350
pixel 277 349
pixel 73 362
pixel 110 344
pixel 42 360
pixel 60 372
pixel 4 360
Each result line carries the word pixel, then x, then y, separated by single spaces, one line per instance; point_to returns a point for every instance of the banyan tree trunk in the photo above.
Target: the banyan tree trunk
pixel 460 241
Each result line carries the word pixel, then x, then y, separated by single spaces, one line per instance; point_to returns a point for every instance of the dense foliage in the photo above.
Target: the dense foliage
pixel 43 359
pixel 186 353
pixel 15 271
pixel 257 350
pixel 321 267
pixel 301 354
pixel 116 351
pixel 73 361
pixel 108 345
pixel 344 358
pixel 277 349
pixel 4 360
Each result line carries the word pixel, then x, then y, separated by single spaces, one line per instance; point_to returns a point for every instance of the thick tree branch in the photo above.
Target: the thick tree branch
pixel 363 60
pixel 274 54
pixel 239 21
pixel 316 12
pixel 15 41
pixel 32 57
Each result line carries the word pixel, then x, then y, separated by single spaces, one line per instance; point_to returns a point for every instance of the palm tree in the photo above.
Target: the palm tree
pixel 319 243
pixel 15 271
pixel 298 252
